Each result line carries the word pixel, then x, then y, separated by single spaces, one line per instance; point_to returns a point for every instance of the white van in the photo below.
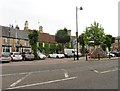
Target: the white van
pixel 70 52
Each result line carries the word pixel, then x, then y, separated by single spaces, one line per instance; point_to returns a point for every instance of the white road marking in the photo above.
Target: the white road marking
pixel 65 73
pixel 48 82
pixel 96 71
pixel 108 71
pixel 13 74
pixel 102 72
pixel 18 81
pixel 29 72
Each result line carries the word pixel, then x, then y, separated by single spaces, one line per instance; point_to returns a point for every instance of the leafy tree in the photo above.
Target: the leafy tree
pixel 67 45
pixel 62 36
pixel 40 46
pixel 109 40
pixel 82 42
pixel 47 49
pixel 103 46
pixel 58 48
pixel 94 35
pixel 52 48
pixel 33 39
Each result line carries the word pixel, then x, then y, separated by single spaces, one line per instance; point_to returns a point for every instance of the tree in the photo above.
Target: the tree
pixel 53 48
pixel 58 47
pixel 94 35
pixel 33 39
pixel 62 36
pixel 109 40
pixel 47 48
pixel 82 42
pixel 103 46
pixel 68 45
pixel 40 47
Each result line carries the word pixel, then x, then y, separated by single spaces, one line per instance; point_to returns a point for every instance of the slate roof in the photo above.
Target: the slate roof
pixel 20 34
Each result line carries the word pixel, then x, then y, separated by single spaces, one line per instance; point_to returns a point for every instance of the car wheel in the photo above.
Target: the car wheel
pixel 24 58
pixel 49 56
pixel 11 59
pixel 57 56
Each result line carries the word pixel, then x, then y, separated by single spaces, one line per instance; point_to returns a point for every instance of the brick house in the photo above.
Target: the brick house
pixel 12 39
pixel 48 43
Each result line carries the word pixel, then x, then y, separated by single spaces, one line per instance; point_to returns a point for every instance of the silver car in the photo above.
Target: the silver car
pixel 5 57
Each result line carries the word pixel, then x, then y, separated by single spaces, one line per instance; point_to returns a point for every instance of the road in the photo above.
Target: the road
pixel 60 74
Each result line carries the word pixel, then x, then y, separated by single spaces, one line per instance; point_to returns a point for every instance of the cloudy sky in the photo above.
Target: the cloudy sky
pixel 57 14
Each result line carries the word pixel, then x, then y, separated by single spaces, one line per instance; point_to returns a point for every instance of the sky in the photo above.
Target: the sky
pixel 58 14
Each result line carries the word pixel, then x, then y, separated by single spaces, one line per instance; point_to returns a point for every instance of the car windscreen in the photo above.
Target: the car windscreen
pixel 5 54
pixel 27 53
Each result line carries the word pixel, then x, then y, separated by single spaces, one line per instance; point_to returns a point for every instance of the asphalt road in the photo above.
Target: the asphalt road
pixel 60 74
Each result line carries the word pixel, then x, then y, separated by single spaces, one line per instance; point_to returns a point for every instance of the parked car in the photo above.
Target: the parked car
pixel 28 56
pixel 41 56
pixel 16 56
pixel 5 57
pixel 117 53
pixel 56 55
pixel 110 54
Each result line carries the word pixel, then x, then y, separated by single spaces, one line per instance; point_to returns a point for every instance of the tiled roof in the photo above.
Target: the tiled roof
pixel 45 37
pixel 14 33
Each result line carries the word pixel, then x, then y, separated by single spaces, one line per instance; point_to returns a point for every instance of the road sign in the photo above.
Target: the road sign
pixel 74 42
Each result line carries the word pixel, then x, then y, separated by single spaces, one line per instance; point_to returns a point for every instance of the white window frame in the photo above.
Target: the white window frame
pixel 26 43
pixel 5 40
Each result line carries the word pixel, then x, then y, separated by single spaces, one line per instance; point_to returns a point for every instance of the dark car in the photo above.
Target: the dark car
pixel 117 53
pixel 28 56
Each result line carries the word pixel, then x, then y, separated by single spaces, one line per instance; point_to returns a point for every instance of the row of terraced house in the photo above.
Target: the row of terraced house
pixel 14 39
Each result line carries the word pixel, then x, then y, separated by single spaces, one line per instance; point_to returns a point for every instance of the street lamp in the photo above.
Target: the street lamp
pixel 77 28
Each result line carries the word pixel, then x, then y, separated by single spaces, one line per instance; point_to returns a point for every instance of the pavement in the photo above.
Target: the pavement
pixel 43 62
pixel 55 61
pixel 103 59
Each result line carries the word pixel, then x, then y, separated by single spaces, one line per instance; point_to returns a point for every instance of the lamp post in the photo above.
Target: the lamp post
pixel 77 28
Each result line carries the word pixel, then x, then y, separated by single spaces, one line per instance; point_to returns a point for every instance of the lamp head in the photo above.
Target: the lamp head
pixel 81 8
